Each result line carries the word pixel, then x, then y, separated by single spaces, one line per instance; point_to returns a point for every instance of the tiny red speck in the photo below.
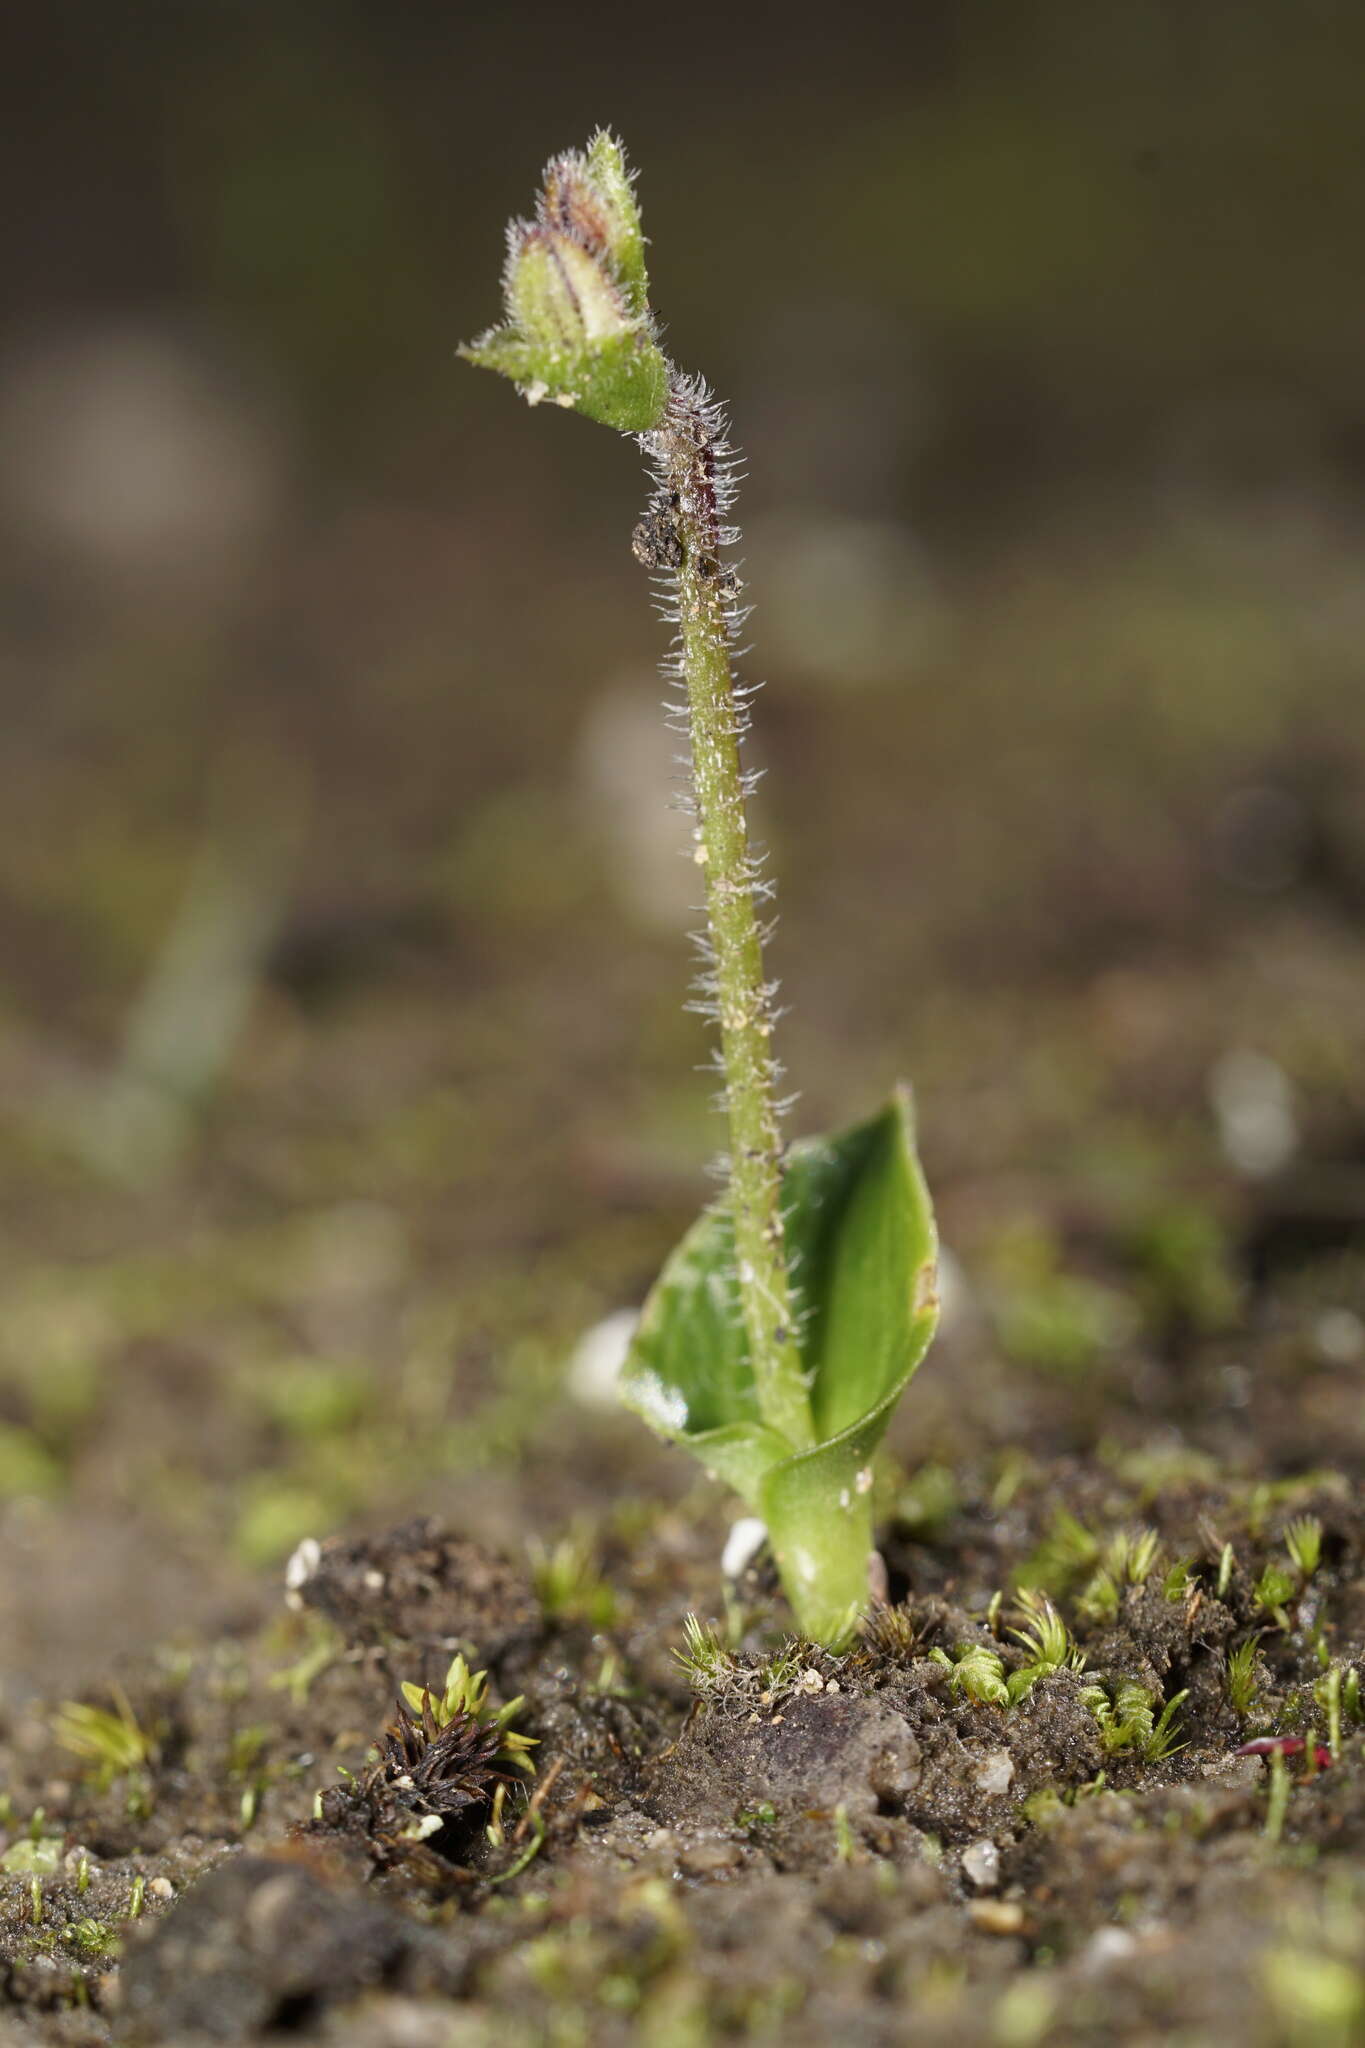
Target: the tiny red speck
pixel 1284 1745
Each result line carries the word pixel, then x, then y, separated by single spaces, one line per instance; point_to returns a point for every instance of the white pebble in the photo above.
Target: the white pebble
pixel 1254 1106
pixel 994 1773
pixel 300 1569
pixel 599 1356
pixel 981 1864
pixel 746 1538
pixel 1107 1946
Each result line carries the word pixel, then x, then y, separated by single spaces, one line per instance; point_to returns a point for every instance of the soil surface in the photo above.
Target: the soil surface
pixel 762 1840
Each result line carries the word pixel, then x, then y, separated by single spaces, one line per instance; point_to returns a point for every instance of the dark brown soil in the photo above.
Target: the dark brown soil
pixel 819 1845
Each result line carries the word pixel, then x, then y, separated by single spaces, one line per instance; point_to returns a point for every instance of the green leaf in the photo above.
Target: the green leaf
pixel 621 381
pixel 861 1247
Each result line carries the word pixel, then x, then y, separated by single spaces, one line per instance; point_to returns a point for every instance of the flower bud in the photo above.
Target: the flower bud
pixel 579 329
pixel 589 199
pixel 572 203
pixel 561 296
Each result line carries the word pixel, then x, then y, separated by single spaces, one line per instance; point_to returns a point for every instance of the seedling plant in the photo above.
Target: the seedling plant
pixel 786 1325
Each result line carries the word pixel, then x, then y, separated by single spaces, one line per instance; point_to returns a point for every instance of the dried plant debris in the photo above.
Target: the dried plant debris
pixel 431 1773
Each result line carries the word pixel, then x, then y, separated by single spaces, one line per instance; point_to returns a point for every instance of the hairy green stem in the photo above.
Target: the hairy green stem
pixel 841 1229
pixel 685 531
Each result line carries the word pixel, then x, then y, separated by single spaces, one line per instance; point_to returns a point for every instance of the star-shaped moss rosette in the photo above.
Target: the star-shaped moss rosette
pixel 578 329
pixel 862 1250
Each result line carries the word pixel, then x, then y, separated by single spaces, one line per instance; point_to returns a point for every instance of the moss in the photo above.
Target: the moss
pixel 27 1468
pixel 1059 1321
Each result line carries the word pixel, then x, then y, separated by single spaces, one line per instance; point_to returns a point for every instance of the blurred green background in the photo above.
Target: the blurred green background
pixel 343 1078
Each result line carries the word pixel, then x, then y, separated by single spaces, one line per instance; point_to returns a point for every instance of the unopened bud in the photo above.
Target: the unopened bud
pixel 589 199
pixel 579 330
pixel 559 295
pixel 571 202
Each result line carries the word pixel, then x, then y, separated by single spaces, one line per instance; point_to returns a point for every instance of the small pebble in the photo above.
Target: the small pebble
pixel 746 1538
pixel 1107 1946
pixel 300 1569
pixel 599 1356
pixel 981 1864
pixel 1339 1335
pixel 996 1916
pixel 706 1859
pixel 994 1773
pixel 1245 1768
pixel 161 1888
pixel 1254 1107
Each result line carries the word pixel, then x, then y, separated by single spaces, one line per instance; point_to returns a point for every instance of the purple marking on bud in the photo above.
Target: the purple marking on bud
pixel 558 294
pixel 572 203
